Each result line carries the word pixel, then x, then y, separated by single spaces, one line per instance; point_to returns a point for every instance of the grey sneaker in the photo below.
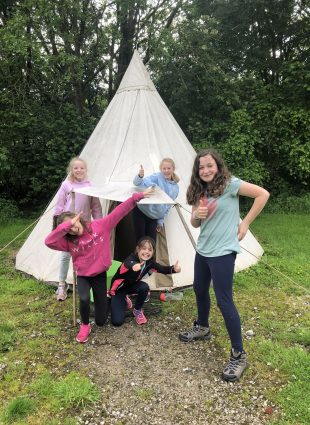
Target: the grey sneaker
pixel 61 293
pixel 235 367
pixel 197 332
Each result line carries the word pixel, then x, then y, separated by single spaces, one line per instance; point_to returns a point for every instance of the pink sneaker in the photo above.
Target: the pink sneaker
pixel 128 302
pixel 84 333
pixel 139 315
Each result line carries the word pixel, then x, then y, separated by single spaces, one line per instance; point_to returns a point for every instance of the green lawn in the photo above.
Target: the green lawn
pixel 273 302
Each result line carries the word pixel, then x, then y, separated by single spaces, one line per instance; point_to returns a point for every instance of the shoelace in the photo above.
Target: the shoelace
pixel 194 331
pixel 233 364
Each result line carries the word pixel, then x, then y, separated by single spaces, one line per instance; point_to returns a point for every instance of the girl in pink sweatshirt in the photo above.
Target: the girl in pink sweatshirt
pixel 89 246
pixel 91 207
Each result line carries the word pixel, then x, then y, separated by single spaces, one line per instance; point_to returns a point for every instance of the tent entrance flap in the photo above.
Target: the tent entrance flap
pixel 162 257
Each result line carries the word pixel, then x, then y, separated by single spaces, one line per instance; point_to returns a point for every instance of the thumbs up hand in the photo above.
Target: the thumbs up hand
pixel 138 266
pixel 177 267
pixel 141 172
pixel 201 211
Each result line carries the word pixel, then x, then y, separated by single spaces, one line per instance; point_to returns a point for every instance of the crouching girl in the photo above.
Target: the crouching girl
pixel 128 280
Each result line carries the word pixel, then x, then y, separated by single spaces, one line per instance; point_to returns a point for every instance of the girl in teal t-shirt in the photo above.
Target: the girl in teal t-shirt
pixel 214 196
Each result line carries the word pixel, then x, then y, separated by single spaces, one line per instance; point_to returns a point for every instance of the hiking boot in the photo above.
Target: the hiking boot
pixel 84 333
pixel 62 292
pixel 235 366
pixel 128 302
pixel 197 332
pixel 139 315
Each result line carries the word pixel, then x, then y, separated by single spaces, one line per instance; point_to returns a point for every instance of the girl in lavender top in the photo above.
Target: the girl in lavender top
pixel 91 207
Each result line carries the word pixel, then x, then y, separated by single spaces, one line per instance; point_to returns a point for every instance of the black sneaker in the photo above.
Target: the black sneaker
pixel 235 366
pixel 197 332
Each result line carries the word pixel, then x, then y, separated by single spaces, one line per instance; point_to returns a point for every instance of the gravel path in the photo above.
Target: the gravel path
pixel 149 377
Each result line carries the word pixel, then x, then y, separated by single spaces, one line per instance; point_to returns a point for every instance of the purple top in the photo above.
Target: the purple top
pixel 90 205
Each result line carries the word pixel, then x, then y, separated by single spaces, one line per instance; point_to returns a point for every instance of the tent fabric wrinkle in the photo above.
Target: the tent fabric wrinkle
pixel 136 128
pixel 116 191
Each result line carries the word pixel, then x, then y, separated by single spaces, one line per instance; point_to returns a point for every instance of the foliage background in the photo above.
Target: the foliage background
pixel 234 74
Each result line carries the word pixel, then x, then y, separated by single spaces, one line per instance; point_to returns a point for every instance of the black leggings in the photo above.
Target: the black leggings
pixel 144 225
pixel 221 271
pixel 118 301
pixel 98 284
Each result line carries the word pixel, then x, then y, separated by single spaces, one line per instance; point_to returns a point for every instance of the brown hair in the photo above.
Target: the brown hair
pixel 68 214
pixel 142 241
pixel 197 188
pixel 174 177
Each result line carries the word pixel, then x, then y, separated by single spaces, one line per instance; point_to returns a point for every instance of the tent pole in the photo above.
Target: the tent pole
pixel 74 274
pixel 177 207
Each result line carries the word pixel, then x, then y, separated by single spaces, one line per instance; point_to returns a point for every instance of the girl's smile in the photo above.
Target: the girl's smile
pixel 145 252
pixel 79 171
pixel 207 168
pixel 167 169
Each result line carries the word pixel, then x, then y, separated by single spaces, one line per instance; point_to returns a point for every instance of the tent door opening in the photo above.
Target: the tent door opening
pixel 123 243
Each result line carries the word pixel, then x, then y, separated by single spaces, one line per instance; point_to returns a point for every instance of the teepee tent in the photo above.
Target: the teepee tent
pixel 136 128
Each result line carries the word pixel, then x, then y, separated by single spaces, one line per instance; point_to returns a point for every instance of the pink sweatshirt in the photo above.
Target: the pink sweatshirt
pixel 91 252
pixel 90 205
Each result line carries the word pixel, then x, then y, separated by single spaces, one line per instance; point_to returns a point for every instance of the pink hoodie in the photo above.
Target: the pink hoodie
pixel 90 205
pixel 91 252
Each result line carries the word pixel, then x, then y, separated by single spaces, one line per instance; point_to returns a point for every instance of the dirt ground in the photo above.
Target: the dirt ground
pixel 149 377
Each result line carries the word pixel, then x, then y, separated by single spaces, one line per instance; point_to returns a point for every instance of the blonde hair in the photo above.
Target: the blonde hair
pixel 70 167
pixel 174 176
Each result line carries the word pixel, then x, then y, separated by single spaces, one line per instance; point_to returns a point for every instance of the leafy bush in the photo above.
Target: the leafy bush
pixel 289 204
pixel 8 210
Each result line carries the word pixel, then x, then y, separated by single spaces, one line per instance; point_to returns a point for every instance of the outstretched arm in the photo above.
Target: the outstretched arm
pixel 159 268
pixel 260 196
pixel 125 207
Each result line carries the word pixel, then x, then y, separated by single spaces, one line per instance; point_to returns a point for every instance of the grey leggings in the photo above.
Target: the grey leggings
pixel 64 265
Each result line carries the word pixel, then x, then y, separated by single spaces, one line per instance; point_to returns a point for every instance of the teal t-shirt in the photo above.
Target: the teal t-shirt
pixel 219 231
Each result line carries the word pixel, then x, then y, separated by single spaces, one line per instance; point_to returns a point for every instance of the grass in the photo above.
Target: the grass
pixel 40 382
pixel 36 358
pixel 273 298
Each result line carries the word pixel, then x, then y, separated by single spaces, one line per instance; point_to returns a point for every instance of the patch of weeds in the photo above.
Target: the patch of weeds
pixel 296 397
pixel 209 405
pixel 185 309
pixel 294 363
pixel 7 337
pixel 144 393
pixel 75 391
pixel 52 331
pixel 299 336
pixel 18 408
pixel 42 386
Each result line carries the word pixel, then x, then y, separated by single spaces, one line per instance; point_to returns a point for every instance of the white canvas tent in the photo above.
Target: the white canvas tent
pixel 136 128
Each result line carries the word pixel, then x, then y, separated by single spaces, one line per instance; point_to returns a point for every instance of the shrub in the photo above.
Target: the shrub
pixel 8 210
